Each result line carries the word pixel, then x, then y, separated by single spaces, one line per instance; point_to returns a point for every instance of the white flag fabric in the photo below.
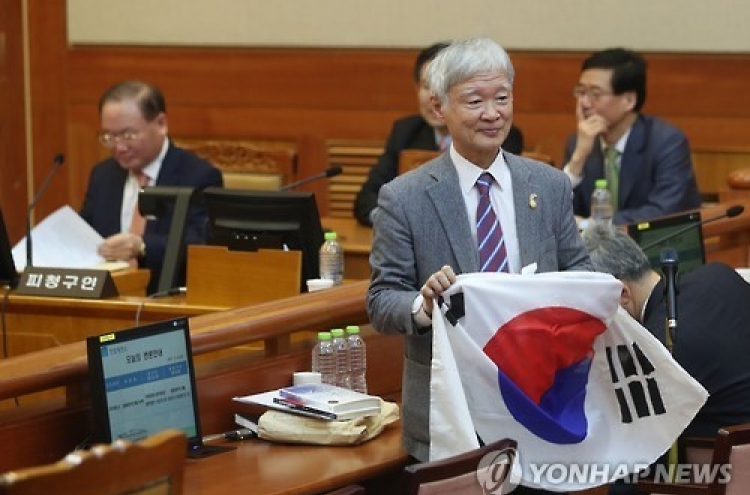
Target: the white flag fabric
pixel 553 362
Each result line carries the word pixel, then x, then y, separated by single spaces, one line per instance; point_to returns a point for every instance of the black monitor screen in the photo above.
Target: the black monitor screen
pixel 8 274
pixel 246 220
pixel 687 240
pixel 142 381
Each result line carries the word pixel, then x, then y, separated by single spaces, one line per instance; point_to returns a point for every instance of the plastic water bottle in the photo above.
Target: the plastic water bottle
pixel 601 203
pixel 357 359
pixel 341 351
pixel 324 358
pixel 332 259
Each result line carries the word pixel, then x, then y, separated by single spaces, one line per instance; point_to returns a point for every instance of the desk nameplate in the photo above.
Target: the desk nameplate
pixel 83 283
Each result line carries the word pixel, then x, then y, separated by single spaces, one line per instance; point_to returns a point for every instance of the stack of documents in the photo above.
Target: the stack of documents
pixel 318 400
pixel 64 240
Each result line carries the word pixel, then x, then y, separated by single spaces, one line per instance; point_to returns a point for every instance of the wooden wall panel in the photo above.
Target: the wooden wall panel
pixel 319 95
pixel 12 132
pixel 48 96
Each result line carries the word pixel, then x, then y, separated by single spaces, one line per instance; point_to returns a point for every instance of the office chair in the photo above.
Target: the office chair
pixel 460 474
pixel 154 466
pixel 409 159
pixel 730 455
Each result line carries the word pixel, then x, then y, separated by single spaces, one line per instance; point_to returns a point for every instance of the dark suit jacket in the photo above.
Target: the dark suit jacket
pixel 102 204
pixel 712 341
pixel 412 132
pixel 656 174
pixel 421 224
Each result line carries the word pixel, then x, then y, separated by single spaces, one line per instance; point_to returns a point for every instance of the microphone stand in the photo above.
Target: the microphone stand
pixel 669 266
pixel 59 159
pixel 330 172
pixel 731 212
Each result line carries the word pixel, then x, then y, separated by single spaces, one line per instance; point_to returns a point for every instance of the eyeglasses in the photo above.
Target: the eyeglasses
pixel 110 139
pixel 594 94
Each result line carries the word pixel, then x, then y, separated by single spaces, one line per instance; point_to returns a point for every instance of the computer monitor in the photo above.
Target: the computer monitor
pixel 245 220
pixel 8 274
pixel 143 381
pixel 688 244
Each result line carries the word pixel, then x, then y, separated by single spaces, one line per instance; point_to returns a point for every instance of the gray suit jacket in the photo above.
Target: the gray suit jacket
pixel 421 224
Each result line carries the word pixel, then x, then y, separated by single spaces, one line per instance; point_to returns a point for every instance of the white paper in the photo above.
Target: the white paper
pixel 62 240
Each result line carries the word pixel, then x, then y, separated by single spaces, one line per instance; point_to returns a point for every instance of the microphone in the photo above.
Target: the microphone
pixel 731 212
pixel 669 267
pixel 57 162
pixel 329 172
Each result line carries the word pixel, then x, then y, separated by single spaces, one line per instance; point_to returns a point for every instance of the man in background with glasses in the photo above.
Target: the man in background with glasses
pixel 134 129
pixel 645 160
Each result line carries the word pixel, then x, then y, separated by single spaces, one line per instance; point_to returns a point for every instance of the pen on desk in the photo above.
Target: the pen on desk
pixel 233 436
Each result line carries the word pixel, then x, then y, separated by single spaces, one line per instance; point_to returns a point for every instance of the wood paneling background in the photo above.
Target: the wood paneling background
pixel 12 132
pixel 319 95
pixel 316 95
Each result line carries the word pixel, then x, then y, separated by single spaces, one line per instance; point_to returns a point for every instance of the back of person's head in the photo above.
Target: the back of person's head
pixel 612 251
pixel 149 98
pixel 426 56
pixel 464 59
pixel 628 71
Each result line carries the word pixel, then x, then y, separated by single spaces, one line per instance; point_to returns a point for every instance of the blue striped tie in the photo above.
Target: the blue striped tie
pixel 493 256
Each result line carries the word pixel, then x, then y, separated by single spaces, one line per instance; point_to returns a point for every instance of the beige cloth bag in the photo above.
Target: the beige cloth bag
pixel 279 426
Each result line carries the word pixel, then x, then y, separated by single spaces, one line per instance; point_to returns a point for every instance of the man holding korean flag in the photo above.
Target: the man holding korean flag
pixel 477 208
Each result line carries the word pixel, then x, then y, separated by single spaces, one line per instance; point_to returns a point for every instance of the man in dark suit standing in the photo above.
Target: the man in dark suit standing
pixel 134 128
pixel 422 131
pixel 645 160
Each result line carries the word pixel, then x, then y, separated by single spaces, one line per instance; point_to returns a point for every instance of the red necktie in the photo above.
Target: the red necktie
pixel 138 223
pixel 493 256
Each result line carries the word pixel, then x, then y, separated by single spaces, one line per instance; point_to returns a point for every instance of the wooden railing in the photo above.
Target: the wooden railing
pixel 273 321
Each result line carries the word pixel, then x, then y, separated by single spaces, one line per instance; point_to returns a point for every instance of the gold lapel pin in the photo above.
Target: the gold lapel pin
pixel 532 200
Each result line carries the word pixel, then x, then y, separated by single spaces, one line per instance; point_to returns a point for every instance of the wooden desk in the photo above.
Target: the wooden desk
pixel 261 467
pixel 357 241
pixel 727 240
pixel 131 281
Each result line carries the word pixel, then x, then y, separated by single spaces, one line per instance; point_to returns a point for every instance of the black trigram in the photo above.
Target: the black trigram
pixel 456 307
pixel 637 381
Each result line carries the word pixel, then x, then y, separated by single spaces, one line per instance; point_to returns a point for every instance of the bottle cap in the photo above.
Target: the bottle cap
pixel 329 236
pixel 337 332
pixel 601 183
pixel 324 335
pixel 352 329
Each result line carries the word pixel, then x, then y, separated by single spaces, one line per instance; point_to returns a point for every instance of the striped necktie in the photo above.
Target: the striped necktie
pixel 493 256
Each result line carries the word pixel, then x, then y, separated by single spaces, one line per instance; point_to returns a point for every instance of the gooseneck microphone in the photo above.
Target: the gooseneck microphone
pixel 669 267
pixel 731 212
pixel 57 162
pixel 329 172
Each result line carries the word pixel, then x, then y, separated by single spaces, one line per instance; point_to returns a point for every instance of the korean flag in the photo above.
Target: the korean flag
pixel 551 361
